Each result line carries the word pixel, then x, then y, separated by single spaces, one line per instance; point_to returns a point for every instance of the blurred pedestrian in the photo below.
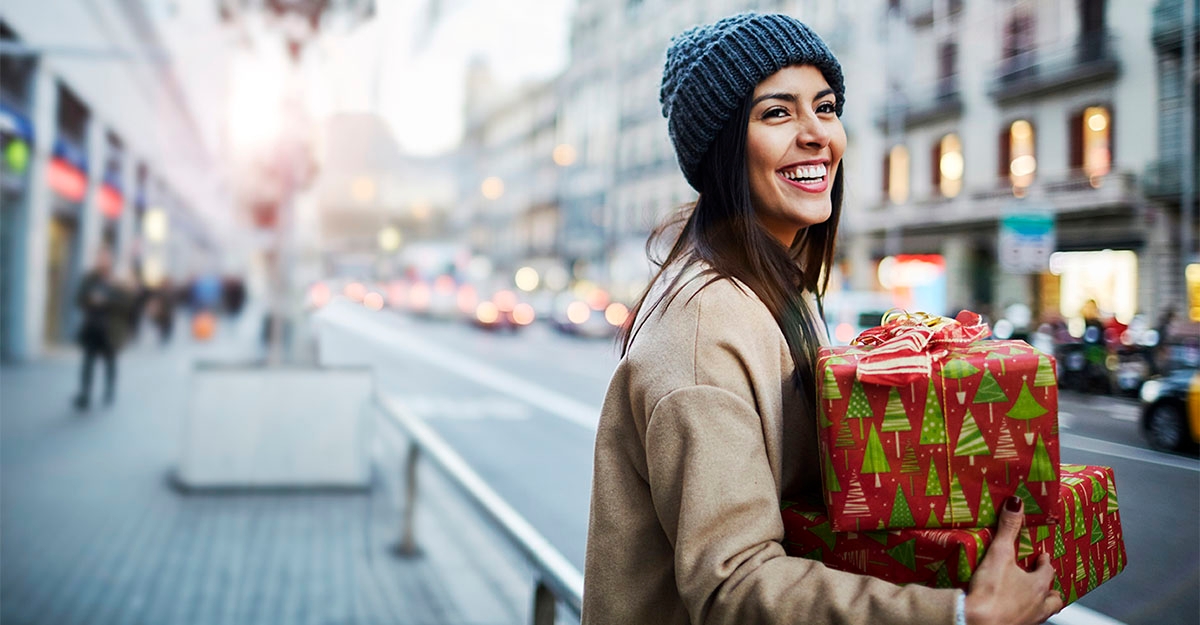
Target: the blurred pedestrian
pixel 163 310
pixel 105 306
pixel 710 418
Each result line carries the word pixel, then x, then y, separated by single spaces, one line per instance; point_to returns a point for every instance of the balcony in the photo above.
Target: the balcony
pixel 1167 30
pixel 1163 180
pixel 923 104
pixel 1041 71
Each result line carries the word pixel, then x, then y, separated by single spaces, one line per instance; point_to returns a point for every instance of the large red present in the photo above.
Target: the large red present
pixel 936 435
pixel 1086 549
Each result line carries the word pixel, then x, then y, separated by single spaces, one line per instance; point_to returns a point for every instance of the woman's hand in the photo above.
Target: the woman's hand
pixel 1002 593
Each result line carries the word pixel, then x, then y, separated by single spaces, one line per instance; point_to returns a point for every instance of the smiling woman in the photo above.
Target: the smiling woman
pixel 711 417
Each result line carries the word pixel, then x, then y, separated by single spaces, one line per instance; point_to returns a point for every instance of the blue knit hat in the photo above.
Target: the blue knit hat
pixel 712 68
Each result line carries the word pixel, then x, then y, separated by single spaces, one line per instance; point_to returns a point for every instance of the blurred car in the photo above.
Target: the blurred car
pixel 592 314
pixel 437 298
pixel 1171 410
pixel 503 310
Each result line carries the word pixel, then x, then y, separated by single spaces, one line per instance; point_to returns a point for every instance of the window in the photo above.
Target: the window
pixel 1091 142
pixel 1018 161
pixel 895 175
pixel 947 166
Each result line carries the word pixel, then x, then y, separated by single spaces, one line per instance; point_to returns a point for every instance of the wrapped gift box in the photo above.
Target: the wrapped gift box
pixel 944 450
pixel 1086 549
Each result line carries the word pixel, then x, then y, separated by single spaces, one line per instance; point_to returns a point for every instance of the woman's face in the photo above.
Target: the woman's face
pixel 794 145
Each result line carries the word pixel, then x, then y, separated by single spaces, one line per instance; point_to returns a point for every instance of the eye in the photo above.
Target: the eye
pixel 776 112
pixel 827 107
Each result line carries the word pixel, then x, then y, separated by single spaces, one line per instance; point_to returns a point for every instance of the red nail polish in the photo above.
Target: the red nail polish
pixel 1013 504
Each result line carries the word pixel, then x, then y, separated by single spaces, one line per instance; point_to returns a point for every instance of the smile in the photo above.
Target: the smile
pixel 811 178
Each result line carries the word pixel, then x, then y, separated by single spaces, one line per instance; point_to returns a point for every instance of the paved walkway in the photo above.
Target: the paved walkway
pixel 93 533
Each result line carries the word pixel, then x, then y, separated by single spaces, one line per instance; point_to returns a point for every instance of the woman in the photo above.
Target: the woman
pixel 709 419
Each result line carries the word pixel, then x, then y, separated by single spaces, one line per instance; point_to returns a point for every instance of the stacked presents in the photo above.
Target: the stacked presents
pixel 925 430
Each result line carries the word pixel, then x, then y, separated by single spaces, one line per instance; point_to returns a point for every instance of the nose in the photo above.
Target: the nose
pixel 811 133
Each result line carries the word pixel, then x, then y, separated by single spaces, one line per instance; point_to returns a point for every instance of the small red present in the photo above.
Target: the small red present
pixel 928 426
pixel 1086 549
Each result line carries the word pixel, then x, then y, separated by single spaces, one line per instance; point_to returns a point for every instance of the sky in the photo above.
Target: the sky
pixel 403 65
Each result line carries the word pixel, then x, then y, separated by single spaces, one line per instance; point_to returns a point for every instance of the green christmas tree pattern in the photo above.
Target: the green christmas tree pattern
pixel 987 508
pixel 933 485
pixel 844 437
pixel 815 554
pixel 942 579
pixel 964 565
pixel 933 428
pixel 859 408
pixel 1041 470
pixel 909 465
pixel 957 369
pixel 1031 506
pixel 1080 529
pixel 831 481
pixel 1041 533
pixel 874 459
pixel 1060 546
pixel 894 417
pixel 901 513
pixel 970 440
pixel 990 393
pixel 1024 544
pixel 932 521
pixel 1091 580
pixel 959 510
pixel 830 389
pixel 856 500
pixel 1026 407
pixel 995 355
pixel 1006 450
pixel 1045 373
pixel 1112 497
pixel 905 553
pixel 1098 492
pixel 825 533
pixel 1097 532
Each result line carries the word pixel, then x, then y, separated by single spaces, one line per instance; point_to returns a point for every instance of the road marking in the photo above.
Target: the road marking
pixel 1095 445
pixel 556 404
pixel 1076 614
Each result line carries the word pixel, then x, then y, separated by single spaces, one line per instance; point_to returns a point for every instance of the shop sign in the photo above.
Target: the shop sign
pixel 1026 242
pixel 66 180
pixel 110 201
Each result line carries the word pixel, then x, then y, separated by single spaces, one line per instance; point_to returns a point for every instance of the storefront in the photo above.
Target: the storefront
pixel 16 141
pixel 66 175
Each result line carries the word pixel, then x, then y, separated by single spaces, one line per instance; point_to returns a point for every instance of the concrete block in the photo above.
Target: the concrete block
pixel 290 426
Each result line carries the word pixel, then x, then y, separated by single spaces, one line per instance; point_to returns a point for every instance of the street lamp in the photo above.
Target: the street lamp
pixel 492 187
pixel 390 239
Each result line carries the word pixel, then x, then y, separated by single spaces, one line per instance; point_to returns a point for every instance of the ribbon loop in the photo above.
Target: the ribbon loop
pixel 904 348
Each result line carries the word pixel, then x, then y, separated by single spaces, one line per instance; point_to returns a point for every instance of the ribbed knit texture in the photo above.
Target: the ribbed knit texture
pixel 710 69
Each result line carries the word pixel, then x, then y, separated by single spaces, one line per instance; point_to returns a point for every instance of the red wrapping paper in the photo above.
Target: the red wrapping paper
pixel 1087 548
pixel 945 450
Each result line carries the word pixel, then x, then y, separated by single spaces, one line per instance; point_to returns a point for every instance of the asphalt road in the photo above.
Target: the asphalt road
pixel 521 409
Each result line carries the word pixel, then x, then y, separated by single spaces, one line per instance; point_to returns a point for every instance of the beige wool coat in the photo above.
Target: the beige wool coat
pixel 701 434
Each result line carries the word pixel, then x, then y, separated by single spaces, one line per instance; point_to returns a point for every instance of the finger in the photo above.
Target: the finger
pixel 1012 518
pixel 1043 570
pixel 1051 605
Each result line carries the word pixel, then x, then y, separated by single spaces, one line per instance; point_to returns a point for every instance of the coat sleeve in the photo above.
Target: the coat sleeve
pixel 716 500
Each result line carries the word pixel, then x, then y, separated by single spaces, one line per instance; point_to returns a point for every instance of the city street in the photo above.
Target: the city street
pixel 522 408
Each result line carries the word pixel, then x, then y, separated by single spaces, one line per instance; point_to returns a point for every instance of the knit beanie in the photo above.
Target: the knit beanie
pixel 711 69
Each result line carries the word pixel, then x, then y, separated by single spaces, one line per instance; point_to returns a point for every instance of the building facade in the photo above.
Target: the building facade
pixel 1003 155
pixel 100 150
pixel 999 163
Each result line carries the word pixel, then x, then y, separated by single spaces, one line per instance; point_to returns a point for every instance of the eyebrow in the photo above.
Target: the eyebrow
pixel 787 97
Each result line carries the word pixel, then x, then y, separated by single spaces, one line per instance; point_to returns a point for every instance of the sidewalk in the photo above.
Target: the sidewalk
pixel 93 533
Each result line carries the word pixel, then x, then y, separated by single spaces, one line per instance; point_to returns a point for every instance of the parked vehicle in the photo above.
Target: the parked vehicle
pixel 1171 410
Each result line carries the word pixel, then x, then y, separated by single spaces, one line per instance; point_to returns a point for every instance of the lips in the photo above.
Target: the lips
pixel 810 176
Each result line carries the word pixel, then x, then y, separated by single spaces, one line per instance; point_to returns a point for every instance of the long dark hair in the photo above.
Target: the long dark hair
pixel 721 229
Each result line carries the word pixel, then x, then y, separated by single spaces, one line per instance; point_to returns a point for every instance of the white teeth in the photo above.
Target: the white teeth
pixel 806 172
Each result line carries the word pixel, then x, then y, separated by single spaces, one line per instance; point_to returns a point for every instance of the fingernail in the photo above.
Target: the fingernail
pixel 1013 504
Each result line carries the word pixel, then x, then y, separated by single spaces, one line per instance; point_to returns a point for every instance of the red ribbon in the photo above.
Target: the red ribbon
pixel 904 348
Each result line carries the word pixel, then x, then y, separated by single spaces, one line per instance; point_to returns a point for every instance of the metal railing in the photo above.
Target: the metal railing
pixel 558 579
